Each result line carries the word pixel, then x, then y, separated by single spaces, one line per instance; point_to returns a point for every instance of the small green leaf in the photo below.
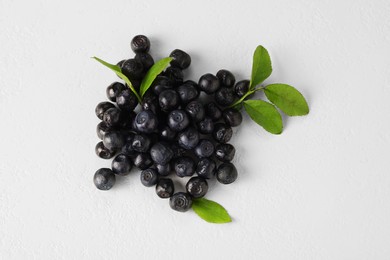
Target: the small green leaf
pixel 117 70
pixel 287 98
pixel 153 72
pixel 261 66
pixel 210 211
pixel 264 114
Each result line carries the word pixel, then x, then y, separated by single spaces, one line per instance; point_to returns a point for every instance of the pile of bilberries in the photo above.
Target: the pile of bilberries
pixel 180 127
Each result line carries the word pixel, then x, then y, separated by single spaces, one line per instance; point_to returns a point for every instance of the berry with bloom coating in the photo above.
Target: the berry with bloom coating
pixel 180 201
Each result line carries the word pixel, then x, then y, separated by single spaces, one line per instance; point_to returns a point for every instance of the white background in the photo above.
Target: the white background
pixel 321 190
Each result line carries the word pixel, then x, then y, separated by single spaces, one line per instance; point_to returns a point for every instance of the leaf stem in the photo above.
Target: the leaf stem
pixel 250 92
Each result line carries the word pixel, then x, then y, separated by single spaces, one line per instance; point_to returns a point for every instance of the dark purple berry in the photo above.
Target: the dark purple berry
pixel 113 90
pixel 165 188
pixel 178 120
pixel 196 110
pixel 226 78
pixel 126 100
pixel 104 179
pixel 205 148
pixel 184 166
pixel 141 143
pixel 180 201
pixel 226 173
pixel 222 133
pixel 164 170
pixel 232 117
pixel 225 152
pixel 188 91
pixel 213 111
pixel 189 138
pixel 180 59
pixel 168 100
pixel 103 152
pixel 143 161
pixel 113 140
pixel 206 126
pixel 197 187
pixel 140 43
pixel 161 153
pixel 146 121
pixel 121 164
pixel 224 96
pixel 112 116
pixel 145 59
pixel 206 168
pixel 241 88
pixel 101 108
pixel 209 83
pixel 132 69
pixel 149 177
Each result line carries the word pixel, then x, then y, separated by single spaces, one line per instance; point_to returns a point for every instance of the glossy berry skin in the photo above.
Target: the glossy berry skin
pixel 168 100
pixel 145 59
pixel 143 161
pixel 121 165
pixel 113 140
pixel 225 152
pixel 222 133
pixel 104 179
pixel 181 59
pixel 241 88
pixel 175 74
pixel 164 170
pixel 206 126
pixel 126 100
pixel 224 96
pixel 140 43
pixel 180 201
pixel 178 120
pixel 213 111
pixel 146 122
pixel 206 168
pixel 197 187
pixel 166 133
pixel 209 83
pixel 141 143
pixel 101 129
pixel 189 138
pixel 205 148
pixel 226 78
pixel 149 177
pixel 112 116
pixel 195 110
pixel 160 84
pixel 226 173
pixel 161 153
pixel 101 108
pixel 113 90
pixel 103 152
pixel 132 69
pixel 184 166
pixel 188 91
pixel 232 117
pixel 165 188
pixel 127 148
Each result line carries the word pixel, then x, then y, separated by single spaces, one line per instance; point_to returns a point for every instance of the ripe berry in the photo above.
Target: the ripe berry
pixel 128 149
pixel 121 164
pixel 197 187
pixel 141 143
pixel 143 161
pixel 101 129
pixel 178 120
pixel 209 83
pixel 189 138
pixel 226 173
pixel 101 108
pixel 175 74
pixel 113 90
pixel 225 152
pixel 196 110
pixel 180 59
pixel 112 116
pixel 180 201
pixel 160 84
pixel 222 133
pixel 165 188
pixel 145 59
pixel 161 153
pixel 103 152
pixel 164 170
pixel 184 166
pixel 213 111
pixel 206 168
pixel 132 69
pixel 224 96
pixel 206 126
pixel 104 179
pixel 205 148
pixel 113 140
pixel 166 133
pixel 188 91
pixel 140 43
pixel 232 117
pixel 126 100
pixel 226 78
pixel 168 100
pixel 119 64
pixel 149 177
pixel 241 88
pixel 146 121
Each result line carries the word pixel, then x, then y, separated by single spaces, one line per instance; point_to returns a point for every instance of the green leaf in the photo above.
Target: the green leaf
pixel 264 114
pixel 210 211
pixel 117 70
pixel 287 98
pixel 261 66
pixel 153 72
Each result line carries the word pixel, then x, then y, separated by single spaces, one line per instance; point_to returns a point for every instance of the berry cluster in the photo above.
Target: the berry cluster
pixel 180 127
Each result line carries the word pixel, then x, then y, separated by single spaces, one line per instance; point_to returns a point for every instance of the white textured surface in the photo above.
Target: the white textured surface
pixel 321 190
